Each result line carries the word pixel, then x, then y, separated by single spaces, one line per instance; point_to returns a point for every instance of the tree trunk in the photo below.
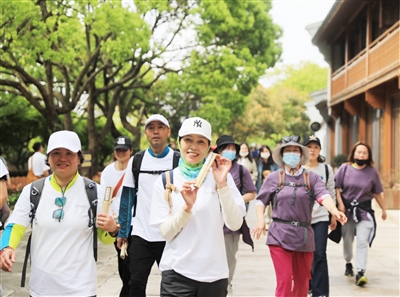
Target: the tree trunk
pixel 92 133
pixel 68 121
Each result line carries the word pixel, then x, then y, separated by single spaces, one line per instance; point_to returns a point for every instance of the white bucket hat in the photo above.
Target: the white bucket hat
pixel 288 141
pixel 196 125
pixel 64 139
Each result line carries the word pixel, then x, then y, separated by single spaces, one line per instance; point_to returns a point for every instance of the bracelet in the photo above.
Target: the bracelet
pixel 115 233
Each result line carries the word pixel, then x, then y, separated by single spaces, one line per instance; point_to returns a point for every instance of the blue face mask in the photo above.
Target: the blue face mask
pixel 291 159
pixel 231 155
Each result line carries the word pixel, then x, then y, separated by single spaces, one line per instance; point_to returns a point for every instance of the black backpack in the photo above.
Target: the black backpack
pixel 4 214
pixel 136 165
pixel 35 194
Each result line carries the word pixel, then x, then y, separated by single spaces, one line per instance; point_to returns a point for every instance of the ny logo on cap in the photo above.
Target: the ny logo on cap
pixel 121 141
pixel 197 123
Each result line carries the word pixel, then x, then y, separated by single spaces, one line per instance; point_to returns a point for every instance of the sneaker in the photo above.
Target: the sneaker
pixel 349 270
pixel 361 280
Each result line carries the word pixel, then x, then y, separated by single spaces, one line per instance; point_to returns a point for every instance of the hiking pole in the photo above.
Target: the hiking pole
pixel 124 250
pixel 204 170
pixel 107 200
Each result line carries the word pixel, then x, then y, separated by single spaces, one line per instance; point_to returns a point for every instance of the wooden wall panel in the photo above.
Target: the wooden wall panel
pixel 357 72
pixel 385 53
pixel 338 83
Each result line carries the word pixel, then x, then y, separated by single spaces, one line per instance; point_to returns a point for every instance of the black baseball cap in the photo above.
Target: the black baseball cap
pixel 312 138
pixel 123 142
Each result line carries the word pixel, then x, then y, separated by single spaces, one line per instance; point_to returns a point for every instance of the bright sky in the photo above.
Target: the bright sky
pixel 293 16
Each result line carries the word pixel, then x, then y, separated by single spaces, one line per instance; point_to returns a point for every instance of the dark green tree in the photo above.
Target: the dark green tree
pixel 98 57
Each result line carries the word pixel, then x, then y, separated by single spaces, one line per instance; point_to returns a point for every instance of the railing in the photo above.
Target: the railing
pixel 382 56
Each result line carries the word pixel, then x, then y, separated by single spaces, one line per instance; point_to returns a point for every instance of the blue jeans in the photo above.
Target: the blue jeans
pixel 320 277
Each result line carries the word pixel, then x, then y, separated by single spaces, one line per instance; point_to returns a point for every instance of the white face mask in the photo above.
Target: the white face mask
pixel 243 154
pixel 265 155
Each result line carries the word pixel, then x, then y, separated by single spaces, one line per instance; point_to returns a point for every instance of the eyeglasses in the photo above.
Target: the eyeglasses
pixel 293 138
pixel 58 214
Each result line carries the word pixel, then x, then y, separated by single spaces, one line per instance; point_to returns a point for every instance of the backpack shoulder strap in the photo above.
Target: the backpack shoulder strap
pixel 136 164
pixel 326 175
pixel 175 160
pixel 307 185
pixel 306 179
pixel 168 180
pixel 241 178
pixel 34 197
pixel 35 194
pixel 91 192
pixel 281 174
pixel 281 178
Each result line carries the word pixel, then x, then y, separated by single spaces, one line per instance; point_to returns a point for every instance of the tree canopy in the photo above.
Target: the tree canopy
pixel 279 109
pixel 93 58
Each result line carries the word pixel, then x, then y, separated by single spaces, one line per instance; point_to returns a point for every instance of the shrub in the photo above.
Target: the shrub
pixel 339 160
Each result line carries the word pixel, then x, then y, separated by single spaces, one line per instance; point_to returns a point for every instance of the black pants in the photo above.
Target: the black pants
pixel 142 256
pixel 320 277
pixel 124 271
pixel 176 285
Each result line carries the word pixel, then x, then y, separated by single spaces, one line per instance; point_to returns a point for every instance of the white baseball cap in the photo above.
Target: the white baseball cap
pixel 156 117
pixel 64 139
pixel 195 125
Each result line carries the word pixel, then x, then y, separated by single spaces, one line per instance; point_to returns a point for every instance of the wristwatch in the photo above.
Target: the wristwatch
pixel 115 233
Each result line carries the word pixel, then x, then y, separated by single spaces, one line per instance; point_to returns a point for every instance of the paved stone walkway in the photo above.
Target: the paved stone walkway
pixel 254 272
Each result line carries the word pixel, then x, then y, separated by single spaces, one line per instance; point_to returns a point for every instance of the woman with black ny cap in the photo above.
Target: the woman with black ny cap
pixel 194 260
pixel 113 176
pixel 321 223
pixel 292 191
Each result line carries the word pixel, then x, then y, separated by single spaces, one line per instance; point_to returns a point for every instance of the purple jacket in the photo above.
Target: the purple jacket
pixel 293 204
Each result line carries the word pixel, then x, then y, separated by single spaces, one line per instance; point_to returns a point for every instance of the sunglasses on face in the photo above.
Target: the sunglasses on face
pixel 58 214
pixel 293 138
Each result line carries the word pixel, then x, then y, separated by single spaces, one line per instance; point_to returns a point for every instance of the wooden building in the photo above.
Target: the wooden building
pixel 360 40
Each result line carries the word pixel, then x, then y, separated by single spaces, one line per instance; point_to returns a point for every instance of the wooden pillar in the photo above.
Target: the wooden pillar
pixel 362 125
pixel 332 136
pixel 345 131
pixel 368 38
pixel 387 135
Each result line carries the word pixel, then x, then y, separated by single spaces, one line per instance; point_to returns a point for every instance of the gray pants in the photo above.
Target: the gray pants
pixel 231 247
pixel 363 230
